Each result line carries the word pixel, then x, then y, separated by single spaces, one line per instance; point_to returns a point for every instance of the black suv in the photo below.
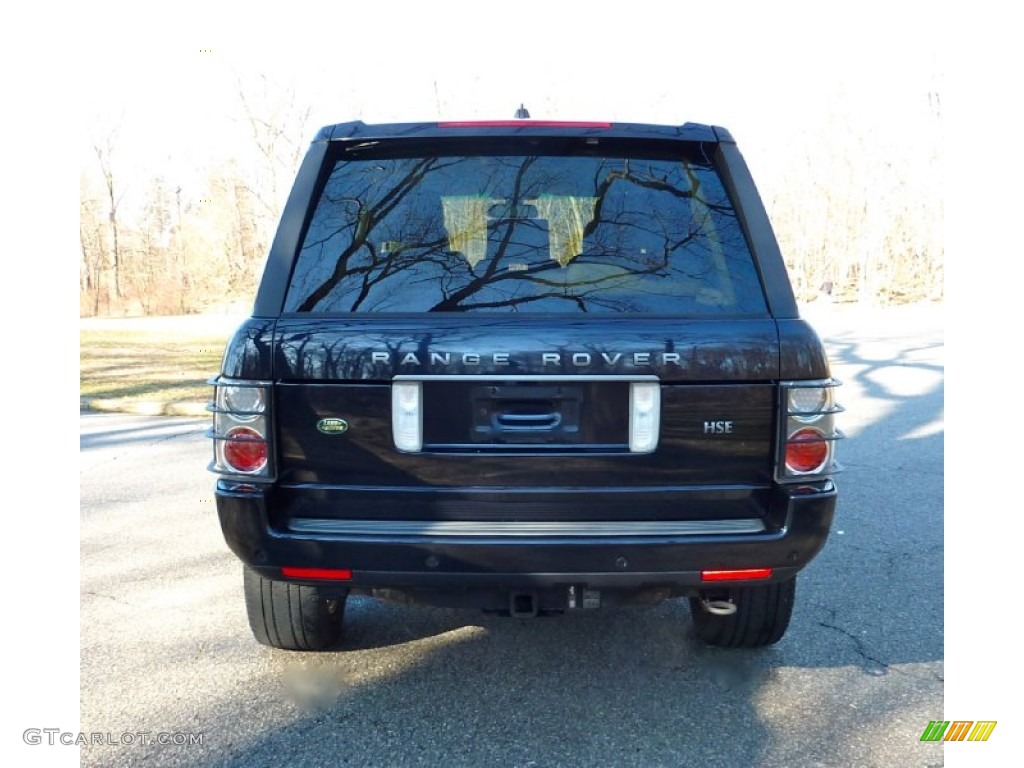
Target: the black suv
pixel 527 366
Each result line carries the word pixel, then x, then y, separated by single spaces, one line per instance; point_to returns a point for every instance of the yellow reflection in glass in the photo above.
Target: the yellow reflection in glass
pixel 465 219
pixel 567 218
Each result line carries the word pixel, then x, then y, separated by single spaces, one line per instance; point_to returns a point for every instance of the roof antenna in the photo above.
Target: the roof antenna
pixel 522 113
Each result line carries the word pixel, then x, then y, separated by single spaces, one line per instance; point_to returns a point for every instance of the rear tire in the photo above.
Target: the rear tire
pixel 293 617
pixel 761 618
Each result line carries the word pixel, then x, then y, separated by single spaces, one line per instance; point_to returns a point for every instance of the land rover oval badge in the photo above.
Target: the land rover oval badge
pixel 332 426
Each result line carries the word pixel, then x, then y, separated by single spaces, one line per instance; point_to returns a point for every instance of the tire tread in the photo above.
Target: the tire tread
pixel 761 618
pixel 290 616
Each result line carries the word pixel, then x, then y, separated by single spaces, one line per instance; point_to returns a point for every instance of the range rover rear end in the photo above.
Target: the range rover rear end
pixel 529 367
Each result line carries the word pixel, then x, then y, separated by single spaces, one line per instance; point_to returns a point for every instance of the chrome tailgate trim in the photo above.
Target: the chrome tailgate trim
pixel 471 528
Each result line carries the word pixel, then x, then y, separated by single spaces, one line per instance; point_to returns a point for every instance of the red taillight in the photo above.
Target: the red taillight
pixel 736 574
pixel 522 124
pixel 806 450
pixel 245 450
pixel 336 574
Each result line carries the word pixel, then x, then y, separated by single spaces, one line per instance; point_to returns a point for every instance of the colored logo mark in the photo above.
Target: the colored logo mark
pixel 332 426
pixel 958 730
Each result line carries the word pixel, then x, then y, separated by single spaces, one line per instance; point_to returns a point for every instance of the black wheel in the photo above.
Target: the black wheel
pixel 761 617
pixel 294 617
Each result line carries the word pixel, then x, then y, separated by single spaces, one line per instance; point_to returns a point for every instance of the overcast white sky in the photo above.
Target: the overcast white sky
pixel 764 70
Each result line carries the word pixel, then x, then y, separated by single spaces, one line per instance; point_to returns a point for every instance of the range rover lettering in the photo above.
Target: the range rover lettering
pixel 525 366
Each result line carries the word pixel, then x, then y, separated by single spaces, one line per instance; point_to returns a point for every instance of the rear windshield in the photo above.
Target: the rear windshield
pixel 552 229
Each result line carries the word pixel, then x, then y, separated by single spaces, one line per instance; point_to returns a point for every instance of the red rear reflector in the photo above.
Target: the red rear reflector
pixel 338 574
pixel 738 574
pixel 522 124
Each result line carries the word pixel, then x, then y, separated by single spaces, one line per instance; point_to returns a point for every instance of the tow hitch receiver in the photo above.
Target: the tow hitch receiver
pixel 523 605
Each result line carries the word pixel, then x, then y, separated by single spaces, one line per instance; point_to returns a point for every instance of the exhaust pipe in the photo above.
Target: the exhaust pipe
pixel 718 607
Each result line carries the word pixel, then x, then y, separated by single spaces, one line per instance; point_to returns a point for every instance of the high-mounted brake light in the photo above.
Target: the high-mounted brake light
pixel 522 124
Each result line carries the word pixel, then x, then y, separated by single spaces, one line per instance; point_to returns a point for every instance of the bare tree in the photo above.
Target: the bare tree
pixel 91 232
pixel 278 125
pixel 155 276
pixel 104 148
pixel 860 209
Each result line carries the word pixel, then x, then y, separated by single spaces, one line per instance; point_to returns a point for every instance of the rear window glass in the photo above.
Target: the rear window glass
pixel 496 232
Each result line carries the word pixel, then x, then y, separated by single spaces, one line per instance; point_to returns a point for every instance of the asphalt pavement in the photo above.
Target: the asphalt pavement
pixel 165 647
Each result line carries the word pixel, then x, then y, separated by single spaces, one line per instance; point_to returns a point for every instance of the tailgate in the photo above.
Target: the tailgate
pixel 525 403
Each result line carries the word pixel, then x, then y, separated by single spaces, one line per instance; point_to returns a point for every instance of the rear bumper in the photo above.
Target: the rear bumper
pixel 425 560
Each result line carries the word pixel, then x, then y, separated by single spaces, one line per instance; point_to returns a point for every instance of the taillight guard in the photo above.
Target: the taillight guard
pixel 242 446
pixel 808 435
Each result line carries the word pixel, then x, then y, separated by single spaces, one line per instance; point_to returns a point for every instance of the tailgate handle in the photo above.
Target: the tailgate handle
pixel 521 421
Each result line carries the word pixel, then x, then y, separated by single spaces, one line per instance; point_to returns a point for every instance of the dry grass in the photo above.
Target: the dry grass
pixel 138 361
